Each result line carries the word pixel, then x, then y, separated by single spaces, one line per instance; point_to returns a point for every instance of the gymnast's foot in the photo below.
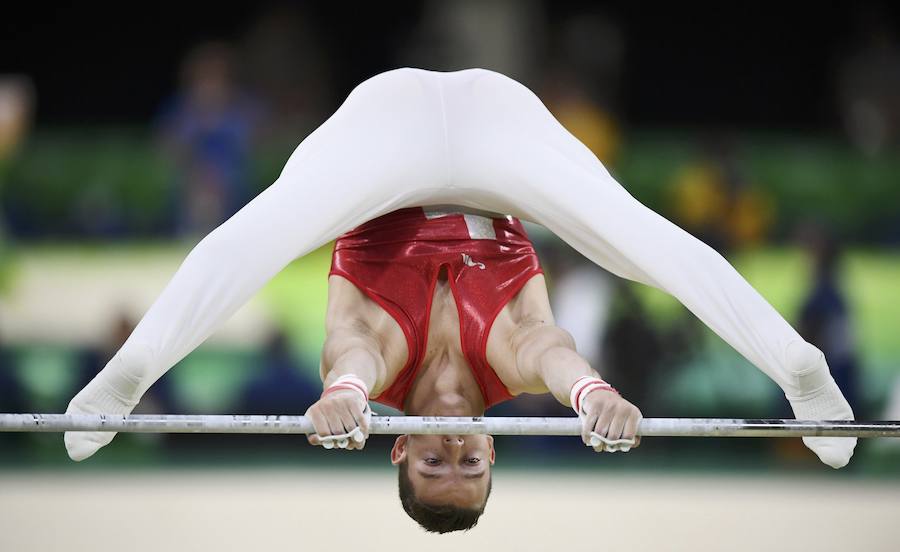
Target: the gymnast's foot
pixel 112 391
pixel 819 399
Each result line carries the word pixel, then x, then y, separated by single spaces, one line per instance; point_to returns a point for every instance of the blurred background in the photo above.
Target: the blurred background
pixel 127 134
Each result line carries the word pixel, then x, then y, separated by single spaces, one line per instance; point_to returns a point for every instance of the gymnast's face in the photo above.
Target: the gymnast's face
pixel 447 469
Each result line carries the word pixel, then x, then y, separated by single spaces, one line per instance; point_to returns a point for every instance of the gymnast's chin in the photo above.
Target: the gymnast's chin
pixel 444 480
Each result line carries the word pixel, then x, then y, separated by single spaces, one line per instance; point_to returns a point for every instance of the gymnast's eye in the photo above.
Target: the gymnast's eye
pixel 432 461
pixel 473 461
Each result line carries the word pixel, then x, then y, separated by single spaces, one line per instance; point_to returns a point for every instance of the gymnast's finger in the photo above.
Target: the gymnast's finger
pixel 362 420
pixel 351 429
pixel 617 424
pixel 603 422
pixel 320 424
pixel 348 421
pixel 335 421
pixel 588 421
pixel 631 427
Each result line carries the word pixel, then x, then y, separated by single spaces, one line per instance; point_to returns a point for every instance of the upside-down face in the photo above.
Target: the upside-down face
pixel 447 469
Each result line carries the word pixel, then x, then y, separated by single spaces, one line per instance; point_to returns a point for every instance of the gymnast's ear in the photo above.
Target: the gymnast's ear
pixel 398 452
pixel 490 439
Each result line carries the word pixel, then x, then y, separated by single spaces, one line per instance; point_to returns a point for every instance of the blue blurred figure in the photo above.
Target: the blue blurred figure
pixel 12 399
pixel 825 319
pixel 12 395
pixel 208 128
pixel 280 385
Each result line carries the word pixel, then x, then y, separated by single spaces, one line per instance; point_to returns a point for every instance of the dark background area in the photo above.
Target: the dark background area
pixel 751 65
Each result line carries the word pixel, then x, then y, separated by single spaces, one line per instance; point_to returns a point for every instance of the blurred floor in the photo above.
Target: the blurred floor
pixel 314 510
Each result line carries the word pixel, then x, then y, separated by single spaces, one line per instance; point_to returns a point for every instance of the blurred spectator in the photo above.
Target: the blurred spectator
pixel 868 84
pixel 571 104
pixel 208 129
pixel 16 106
pixel 12 399
pixel 12 396
pixel 581 82
pixel 825 318
pixel 633 348
pixel 591 46
pixel 279 385
pixel 16 109
pixel 637 352
pixel 502 35
pixel 287 71
pixel 581 296
pixel 713 199
pixel 891 412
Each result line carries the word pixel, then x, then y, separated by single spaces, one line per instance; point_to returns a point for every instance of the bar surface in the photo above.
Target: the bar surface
pixel 397 425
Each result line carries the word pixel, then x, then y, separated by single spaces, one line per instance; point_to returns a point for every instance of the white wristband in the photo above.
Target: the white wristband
pixel 351 382
pixel 582 387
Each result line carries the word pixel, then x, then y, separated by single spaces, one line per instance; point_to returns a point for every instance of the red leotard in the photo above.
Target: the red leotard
pixel 395 260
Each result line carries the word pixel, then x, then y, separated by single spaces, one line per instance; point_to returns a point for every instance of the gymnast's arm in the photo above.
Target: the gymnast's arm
pixel 546 361
pixel 354 346
pixel 353 352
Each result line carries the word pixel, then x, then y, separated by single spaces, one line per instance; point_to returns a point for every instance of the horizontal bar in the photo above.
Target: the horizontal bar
pixel 398 425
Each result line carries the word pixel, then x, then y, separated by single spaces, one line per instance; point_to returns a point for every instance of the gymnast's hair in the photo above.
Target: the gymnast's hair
pixel 437 518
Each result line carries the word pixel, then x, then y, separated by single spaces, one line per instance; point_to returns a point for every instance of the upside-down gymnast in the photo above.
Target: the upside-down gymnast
pixel 441 310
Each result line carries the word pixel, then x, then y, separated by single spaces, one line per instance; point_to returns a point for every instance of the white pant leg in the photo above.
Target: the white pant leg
pixel 384 149
pixel 515 157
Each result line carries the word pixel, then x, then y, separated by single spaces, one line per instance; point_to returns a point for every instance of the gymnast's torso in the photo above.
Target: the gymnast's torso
pixel 442 290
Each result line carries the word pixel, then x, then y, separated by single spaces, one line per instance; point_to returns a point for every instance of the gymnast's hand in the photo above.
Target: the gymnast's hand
pixel 609 423
pixel 341 419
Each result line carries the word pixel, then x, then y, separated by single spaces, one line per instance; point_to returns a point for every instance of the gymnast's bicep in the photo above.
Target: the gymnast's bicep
pixel 526 311
pixel 360 335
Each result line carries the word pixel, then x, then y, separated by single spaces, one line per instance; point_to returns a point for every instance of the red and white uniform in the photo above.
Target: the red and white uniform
pixel 395 260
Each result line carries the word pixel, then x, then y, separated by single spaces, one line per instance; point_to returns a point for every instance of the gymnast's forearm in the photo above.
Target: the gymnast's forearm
pixel 348 352
pixel 560 368
pixel 547 361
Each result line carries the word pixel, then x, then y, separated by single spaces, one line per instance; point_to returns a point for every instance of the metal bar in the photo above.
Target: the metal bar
pixel 397 425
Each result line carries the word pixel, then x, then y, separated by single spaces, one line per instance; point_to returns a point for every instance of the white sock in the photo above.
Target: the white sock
pixel 819 398
pixel 112 391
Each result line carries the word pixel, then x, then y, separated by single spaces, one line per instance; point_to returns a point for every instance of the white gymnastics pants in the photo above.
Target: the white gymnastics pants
pixel 471 138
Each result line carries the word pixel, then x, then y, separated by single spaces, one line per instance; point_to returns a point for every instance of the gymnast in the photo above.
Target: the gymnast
pixel 436 302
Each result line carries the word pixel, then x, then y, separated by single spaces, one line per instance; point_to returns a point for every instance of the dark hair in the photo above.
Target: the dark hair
pixel 437 518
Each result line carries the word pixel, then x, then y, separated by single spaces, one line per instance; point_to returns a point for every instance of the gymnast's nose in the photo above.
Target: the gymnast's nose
pixel 454 440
